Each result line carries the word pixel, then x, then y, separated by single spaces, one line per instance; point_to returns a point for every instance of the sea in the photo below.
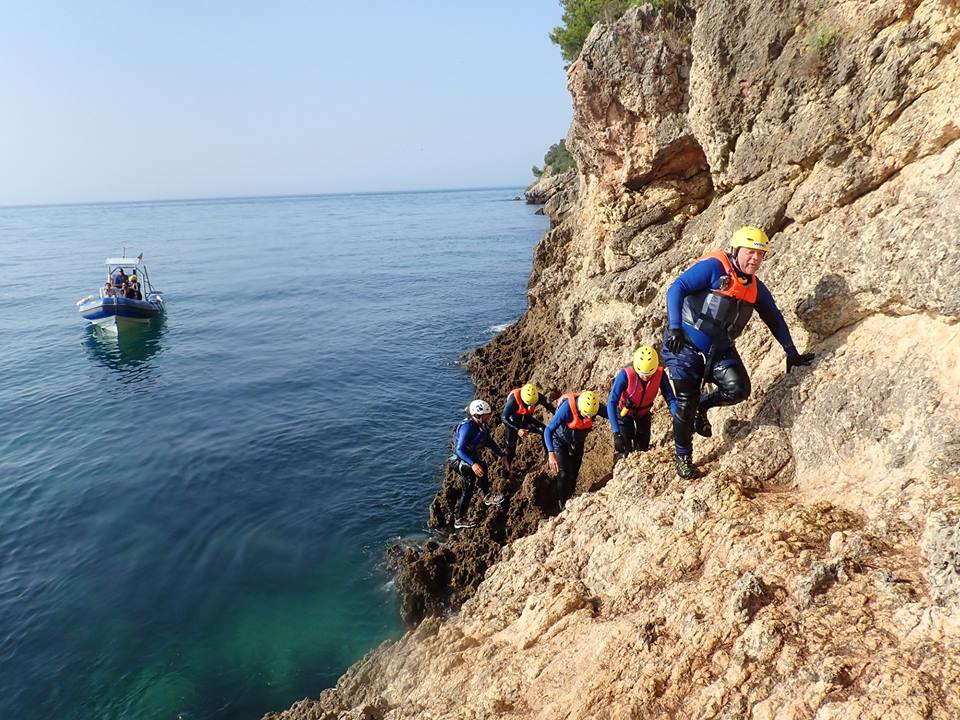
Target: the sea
pixel 193 518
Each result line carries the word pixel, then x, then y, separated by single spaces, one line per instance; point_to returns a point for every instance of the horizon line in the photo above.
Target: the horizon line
pixel 280 196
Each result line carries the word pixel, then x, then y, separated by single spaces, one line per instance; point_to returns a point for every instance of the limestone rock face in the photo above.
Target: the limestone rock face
pixel 549 184
pixel 813 570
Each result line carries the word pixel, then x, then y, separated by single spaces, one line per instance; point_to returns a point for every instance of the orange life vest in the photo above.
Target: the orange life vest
pixel 721 312
pixel 735 289
pixel 577 423
pixel 639 395
pixel 522 407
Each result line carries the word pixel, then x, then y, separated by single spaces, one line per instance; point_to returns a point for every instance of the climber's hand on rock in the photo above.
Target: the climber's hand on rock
pixel 796 360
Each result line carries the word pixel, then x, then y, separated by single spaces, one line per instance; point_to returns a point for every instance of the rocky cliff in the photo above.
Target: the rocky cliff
pixel 813 571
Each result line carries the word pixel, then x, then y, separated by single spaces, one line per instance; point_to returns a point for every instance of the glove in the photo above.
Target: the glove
pixel 796 360
pixel 618 442
pixel 675 340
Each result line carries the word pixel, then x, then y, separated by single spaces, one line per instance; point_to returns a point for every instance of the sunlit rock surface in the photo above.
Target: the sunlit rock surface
pixel 814 570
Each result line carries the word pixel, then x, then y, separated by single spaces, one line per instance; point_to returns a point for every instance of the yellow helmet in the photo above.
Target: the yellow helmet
pixel 530 393
pixel 588 403
pixel 645 360
pixel 750 237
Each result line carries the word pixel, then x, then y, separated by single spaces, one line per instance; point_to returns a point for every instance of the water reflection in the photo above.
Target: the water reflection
pixel 129 351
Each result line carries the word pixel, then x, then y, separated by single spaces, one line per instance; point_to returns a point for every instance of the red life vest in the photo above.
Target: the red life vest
pixel 639 396
pixel 522 407
pixel 577 423
pixel 735 289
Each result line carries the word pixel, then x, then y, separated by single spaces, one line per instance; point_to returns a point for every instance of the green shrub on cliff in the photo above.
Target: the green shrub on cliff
pixel 558 158
pixel 579 17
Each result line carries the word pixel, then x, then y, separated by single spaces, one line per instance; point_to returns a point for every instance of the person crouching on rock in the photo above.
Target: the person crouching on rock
pixel 518 415
pixel 708 307
pixel 631 400
pixel 472 435
pixel 564 437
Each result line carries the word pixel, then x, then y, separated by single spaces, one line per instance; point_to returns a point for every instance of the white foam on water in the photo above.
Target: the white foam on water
pixel 494 329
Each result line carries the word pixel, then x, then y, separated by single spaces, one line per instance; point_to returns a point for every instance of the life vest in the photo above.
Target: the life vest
pixel 639 395
pixel 721 312
pixel 577 423
pixel 522 407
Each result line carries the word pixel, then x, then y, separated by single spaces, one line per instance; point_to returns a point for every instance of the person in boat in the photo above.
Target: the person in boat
pixel 631 399
pixel 565 435
pixel 472 436
pixel 518 415
pixel 119 278
pixel 108 290
pixel 129 291
pixel 135 289
pixel 708 307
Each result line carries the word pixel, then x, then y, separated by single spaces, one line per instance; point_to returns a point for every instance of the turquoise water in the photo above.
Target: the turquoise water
pixel 192 520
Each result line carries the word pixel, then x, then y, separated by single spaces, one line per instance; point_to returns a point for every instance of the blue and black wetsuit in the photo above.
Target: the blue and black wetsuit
pixel 635 426
pixel 513 421
pixel 694 304
pixel 471 437
pixel 568 445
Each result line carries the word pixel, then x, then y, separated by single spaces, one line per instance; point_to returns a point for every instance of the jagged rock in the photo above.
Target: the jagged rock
pixel 835 127
pixel 941 544
pixel 747 596
pixel 821 576
pixel 549 184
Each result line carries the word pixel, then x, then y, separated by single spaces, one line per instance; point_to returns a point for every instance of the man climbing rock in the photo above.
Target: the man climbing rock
pixel 564 437
pixel 631 400
pixel 518 415
pixel 472 435
pixel 708 307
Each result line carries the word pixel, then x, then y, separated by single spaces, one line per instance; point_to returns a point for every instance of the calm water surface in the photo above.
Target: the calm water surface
pixel 192 519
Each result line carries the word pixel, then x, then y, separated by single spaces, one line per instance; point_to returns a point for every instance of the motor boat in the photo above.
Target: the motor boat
pixel 111 310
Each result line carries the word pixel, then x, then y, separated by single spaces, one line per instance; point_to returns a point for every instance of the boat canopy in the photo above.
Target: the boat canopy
pixel 124 262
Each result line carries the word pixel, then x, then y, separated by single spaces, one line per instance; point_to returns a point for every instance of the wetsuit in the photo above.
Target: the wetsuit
pixel 567 443
pixel 689 301
pixel 515 420
pixel 471 438
pixel 634 426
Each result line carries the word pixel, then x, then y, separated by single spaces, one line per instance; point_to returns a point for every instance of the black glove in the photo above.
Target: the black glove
pixel 797 360
pixel 618 443
pixel 675 340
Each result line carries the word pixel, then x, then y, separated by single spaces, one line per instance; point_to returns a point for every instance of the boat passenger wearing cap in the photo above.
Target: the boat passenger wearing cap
pixel 708 307
pixel 472 435
pixel 631 399
pixel 518 415
pixel 564 437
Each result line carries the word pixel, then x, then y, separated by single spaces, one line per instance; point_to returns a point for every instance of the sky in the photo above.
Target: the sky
pixel 138 100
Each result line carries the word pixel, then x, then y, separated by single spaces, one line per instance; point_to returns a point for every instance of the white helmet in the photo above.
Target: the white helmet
pixel 479 407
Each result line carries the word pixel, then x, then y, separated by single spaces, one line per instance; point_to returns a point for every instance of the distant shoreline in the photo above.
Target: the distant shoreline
pixel 241 198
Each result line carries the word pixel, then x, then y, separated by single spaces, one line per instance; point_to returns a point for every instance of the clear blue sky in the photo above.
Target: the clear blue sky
pixel 132 100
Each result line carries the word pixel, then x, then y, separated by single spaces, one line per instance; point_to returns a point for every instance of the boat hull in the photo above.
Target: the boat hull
pixel 117 313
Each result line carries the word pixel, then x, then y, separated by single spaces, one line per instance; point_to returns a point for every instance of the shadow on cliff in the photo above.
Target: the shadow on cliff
pixel 829 314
